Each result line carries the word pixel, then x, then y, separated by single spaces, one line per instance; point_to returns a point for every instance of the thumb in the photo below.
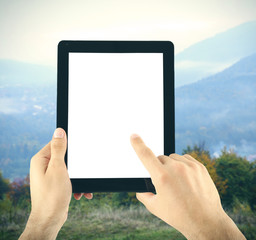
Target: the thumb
pixel 147 199
pixel 58 145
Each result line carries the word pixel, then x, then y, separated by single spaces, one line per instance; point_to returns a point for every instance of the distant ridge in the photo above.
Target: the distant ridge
pixel 233 44
pixel 220 110
pixel 244 67
pixel 16 72
pixel 216 53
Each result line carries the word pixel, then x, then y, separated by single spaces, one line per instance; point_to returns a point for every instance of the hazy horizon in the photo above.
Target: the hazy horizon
pixel 30 31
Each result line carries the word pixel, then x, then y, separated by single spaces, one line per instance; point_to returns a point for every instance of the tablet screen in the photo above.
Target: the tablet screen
pixel 111 96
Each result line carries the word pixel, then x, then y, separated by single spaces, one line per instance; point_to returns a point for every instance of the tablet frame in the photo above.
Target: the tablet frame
pixel 165 47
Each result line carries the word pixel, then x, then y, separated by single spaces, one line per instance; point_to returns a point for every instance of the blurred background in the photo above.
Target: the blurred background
pixel 215 101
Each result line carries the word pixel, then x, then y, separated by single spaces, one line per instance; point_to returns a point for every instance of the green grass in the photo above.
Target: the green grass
pixel 116 224
pixel 100 219
pixel 98 223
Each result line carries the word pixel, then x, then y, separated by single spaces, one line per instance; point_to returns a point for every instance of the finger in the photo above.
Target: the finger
pixel 45 152
pixel 58 147
pixel 179 158
pixel 39 161
pixel 88 195
pixel 163 159
pixel 77 196
pixel 147 199
pixel 147 157
pixel 190 158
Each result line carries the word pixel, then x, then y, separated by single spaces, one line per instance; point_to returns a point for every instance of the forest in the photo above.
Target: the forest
pixel 120 216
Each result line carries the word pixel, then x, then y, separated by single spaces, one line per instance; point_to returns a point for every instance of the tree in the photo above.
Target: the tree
pixel 20 191
pixel 4 186
pixel 125 199
pixel 252 187
pixel 237 171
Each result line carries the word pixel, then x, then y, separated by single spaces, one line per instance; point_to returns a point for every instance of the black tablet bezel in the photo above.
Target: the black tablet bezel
pixel 165 47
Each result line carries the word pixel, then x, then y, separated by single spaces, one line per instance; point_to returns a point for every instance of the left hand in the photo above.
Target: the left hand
pixel 50 185
pixel 50 189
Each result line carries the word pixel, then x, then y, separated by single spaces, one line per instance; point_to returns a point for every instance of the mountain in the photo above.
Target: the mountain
pixel 27 113
pixel 219 110
pixel 21 87
pixel 215 54
pixel 15 72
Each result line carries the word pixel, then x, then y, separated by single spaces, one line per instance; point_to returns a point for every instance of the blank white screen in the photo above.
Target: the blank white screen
pixel 111 96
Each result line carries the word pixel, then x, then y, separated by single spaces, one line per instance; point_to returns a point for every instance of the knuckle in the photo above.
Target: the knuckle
pixel 194 165
pixel 181 168
pixel 163 177
pixel 57 168
pixel 173 155
pixel 33 160
pixel 202 167
pixel 197 166
pixel 54 162
pixel 58 144
pixel 162 159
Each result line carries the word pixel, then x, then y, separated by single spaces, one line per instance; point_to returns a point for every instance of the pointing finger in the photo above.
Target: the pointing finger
pixel 147 157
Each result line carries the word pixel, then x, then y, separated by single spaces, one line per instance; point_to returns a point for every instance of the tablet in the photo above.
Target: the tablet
pixel 106 91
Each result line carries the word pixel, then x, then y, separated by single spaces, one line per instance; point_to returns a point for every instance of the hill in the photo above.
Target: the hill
pixel 25 74
pixel 27 113
pixel 220 110
pixel 215 54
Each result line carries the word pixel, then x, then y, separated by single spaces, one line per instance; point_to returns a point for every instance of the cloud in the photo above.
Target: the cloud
pixel 9 106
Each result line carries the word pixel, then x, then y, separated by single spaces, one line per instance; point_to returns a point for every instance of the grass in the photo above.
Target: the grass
pixel 104 222
pixel 116 224
pixel 98 220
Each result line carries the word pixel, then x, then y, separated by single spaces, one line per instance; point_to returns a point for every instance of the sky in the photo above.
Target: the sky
pixel 31 29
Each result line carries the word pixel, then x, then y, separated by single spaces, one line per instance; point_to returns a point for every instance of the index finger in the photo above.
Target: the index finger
pixel 145 154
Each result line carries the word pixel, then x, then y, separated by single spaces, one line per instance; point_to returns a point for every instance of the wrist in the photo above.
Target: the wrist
pixel 222 228
pixel 41 228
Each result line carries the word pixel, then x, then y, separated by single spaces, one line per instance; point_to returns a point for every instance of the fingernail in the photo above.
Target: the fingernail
pixel 59 133
pixel 133 136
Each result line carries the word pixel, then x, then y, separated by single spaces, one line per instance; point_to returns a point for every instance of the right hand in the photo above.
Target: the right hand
pixel 186 197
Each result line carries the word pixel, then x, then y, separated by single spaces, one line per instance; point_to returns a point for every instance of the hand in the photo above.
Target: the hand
pixel 50 189
pixel 186 197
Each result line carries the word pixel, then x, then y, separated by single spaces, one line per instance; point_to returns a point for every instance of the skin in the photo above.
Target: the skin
pixel 50 189
pixel 186 197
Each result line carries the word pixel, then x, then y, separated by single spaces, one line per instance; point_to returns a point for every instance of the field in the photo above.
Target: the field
pixel 99 219
pixel 119 216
